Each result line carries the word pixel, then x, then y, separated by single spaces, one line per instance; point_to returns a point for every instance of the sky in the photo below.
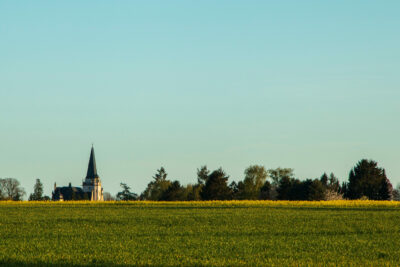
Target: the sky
pixel 308 85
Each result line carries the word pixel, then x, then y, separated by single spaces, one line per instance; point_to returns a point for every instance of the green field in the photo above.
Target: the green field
pixel 199 234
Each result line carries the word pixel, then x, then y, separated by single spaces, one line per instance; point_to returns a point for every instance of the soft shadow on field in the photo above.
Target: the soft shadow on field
pixel 39 264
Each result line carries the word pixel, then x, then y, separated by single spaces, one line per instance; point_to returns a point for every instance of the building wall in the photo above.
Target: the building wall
pixel 93 186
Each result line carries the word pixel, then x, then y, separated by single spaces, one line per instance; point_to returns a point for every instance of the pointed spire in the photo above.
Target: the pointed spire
pixel 92 170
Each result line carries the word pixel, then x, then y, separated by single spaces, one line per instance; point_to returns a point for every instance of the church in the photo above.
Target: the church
pixel 91 187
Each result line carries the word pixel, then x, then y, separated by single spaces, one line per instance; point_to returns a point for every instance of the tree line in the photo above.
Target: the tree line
pixel 10 189
pixel 366 181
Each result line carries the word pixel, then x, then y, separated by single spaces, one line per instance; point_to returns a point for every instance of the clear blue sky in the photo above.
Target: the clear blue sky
pixel 311 85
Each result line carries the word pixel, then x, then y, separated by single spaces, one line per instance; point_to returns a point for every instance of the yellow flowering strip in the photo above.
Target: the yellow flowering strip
pixel 227 203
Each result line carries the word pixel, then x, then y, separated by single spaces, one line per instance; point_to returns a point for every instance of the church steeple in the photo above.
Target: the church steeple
pixel 92 171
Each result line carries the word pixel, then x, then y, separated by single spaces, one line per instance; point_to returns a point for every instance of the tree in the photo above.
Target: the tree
pixel 294 189
pixel 216 187
pixel 316 190
pixel 108 197
pixel 265 192
pixel 333 183
pixel 386 189
pixel 192 192
pixel 37 194
pixel 332 195
pixel 234 187
pixel 175 192
pixel 333 190
pixel 277 174
pixel 11 190
pixel 250 188
pixel 324 179
pixel 299 189
pixel 396 193
pixel 202 175
pixel 284 188
pixel 367 179
pixel 126 194
pixel 157 187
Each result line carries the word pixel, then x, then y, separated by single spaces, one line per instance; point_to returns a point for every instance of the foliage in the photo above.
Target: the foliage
pixel 396 193
pixel 174 192
pixel 294 189
pixel 37 194
pixel 284 187
pixel 126 194
pixel 254 180
pixel 192 192
pixel 216 187
pixel 279 173
pixel 316 190
pixel 229 233
pixel 10 189
pixel 157 187
pixel 367 179
pixel 202 175
pixel 265 191
pixel 324 179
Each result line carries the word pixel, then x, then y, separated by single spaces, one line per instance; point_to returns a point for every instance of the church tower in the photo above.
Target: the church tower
pixel 92 184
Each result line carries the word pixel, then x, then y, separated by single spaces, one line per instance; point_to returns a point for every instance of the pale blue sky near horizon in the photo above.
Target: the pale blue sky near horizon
pixel 310 85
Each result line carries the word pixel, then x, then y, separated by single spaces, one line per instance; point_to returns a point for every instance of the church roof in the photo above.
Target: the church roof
pixel 69 193
pixel 92 171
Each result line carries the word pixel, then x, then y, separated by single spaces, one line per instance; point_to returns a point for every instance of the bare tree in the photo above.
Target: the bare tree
pixel 396 193
pixel 10 189
pixel 108 197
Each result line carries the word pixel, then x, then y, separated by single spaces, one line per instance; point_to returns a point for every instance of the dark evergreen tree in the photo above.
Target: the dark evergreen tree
pixel 324 179
pixel 284 188
pixel 294 189
pixel 299 189
pixel 316 190
pixel 216 187
pixel 37 192
pixel 333 183
pixel 265 192
pixel 175 192
pixel 126 193
pixel 344 190
pixel 367 179
pixel 386 189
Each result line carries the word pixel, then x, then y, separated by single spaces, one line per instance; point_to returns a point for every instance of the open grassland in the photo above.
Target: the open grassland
pixel 230 233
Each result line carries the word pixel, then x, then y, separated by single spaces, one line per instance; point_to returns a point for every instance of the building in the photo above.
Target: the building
pixel 91 186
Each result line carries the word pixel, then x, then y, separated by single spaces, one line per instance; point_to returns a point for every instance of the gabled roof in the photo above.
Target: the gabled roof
pixel 92 171
pixel 69 193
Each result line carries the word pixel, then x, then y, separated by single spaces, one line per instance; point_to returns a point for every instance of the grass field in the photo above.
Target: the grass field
pixel 248 233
